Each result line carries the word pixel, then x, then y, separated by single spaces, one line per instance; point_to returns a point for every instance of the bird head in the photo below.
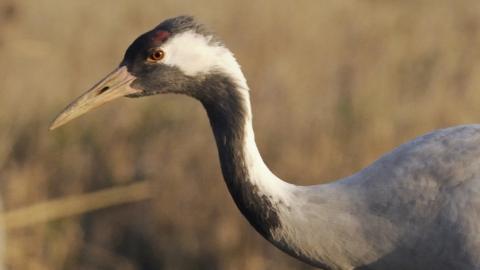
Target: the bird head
pixel 178 56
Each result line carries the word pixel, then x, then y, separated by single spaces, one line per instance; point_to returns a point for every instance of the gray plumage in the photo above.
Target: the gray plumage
pixel 416 208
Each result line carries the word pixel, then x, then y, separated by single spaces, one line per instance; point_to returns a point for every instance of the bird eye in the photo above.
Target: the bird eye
pixel 156 56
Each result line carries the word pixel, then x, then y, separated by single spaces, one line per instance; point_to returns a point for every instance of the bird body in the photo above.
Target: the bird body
pixel 417 207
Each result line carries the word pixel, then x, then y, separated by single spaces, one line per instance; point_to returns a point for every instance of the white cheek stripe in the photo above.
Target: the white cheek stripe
pixel 194 54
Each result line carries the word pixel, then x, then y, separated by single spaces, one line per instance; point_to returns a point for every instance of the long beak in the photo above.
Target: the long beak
pixel 116 84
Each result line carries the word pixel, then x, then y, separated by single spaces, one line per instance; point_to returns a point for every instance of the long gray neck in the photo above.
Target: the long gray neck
pixel 255 190
pixel 276 209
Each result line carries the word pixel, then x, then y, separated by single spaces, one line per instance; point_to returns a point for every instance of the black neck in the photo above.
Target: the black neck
pixel 228 111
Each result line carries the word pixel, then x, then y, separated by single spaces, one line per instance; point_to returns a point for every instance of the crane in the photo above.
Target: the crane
pixel 415 208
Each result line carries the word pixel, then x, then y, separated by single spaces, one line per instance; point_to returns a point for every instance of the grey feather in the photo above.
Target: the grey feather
pixel 417 207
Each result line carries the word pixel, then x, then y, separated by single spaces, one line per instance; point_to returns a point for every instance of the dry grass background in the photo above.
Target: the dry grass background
pixel 334 85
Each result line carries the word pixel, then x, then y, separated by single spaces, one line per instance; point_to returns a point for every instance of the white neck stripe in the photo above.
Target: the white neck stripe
pixel 195 54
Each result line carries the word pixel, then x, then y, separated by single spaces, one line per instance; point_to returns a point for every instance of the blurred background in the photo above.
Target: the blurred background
pixel 335 84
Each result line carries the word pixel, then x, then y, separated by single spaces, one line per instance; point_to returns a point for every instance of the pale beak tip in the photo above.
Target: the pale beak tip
pixel 115 85
pixel 59 121
pixel 53 125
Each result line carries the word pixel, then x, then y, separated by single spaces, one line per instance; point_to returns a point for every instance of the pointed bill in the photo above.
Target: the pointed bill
pixel 116 84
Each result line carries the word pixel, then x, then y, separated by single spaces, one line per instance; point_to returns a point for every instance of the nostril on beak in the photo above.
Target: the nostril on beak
pixel 103 90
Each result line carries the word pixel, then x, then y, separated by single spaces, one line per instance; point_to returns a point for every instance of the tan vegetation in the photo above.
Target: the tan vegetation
pixel 335 84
